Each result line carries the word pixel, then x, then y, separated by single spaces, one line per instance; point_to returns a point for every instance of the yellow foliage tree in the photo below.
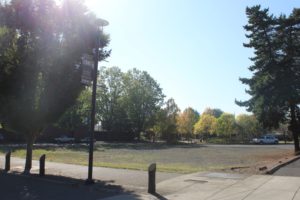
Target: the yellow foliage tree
pixel 205 126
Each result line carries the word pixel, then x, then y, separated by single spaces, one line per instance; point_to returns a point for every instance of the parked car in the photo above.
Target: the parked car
pixel 265 139
pixel 86 140
pixel 64 139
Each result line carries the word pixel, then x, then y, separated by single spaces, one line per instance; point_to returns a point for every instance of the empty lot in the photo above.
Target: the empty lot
pixel 185 158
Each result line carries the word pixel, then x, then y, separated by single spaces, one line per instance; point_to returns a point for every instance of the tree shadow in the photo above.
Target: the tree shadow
pixel 20 186
pixel 100 146
pixel 145 146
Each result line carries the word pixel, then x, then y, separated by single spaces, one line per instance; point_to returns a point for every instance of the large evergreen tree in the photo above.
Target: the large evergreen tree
pixel 274 86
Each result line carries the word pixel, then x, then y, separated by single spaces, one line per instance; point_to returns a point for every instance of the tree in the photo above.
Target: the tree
pixel 206 125
pixel 165 122
pixel 77 115
pixel 226 125
pixel 216 112
pixel 275 84
pixel 142 98
pixel 38 62
pixel 186 121
pixel 111 110
pixel 248 126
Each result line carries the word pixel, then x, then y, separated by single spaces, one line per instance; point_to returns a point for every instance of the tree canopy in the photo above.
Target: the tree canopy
pixel 275 84
pixel 206 125
pixel 166 121
pixel 226 125
pixel 41 44
pixel 186 121
pixel 216 112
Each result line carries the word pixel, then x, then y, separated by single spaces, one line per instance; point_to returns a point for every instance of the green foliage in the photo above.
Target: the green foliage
pixel 248 126
pixel 110 102
pixel 127 104
pixel 42 44
pixel 79 114
pixel 165 122
pixel 275 84
pixel 142 99
pixel 226 125
pixel 206 125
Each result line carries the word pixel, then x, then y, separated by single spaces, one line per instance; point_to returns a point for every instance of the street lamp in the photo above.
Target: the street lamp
pixel 100 24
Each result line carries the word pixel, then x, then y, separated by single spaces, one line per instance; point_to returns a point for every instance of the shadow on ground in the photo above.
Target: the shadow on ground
pixel 145 146
pixel 101 146
pixel 33 187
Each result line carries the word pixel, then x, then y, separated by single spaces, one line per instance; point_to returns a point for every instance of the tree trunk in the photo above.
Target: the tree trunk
pixel 29 147
pixel 293 128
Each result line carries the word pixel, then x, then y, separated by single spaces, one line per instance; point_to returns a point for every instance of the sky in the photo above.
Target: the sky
pixel 192 48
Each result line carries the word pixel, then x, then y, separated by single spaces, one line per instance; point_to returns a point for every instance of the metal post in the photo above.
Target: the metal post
pixel 7 161
pixel 100 23
pixel 93 111
pixel 42 165
pixel 151 178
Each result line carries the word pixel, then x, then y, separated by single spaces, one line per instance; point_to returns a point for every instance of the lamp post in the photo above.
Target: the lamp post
pixel 100 24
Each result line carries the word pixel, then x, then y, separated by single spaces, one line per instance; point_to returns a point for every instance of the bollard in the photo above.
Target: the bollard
pixel 42 165
pixel 7 161
pixel 151 178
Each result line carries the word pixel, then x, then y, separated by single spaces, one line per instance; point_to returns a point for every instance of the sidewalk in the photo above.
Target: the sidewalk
pixel 197 186
pixel 292 169
pixel 218 186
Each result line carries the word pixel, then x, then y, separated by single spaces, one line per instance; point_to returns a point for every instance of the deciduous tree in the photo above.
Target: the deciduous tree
pixel 45 42
pixel 216 112
pixel 206 125
pixel 248 126
pixel 226 125
pixel 143 97
pixel 165 122
pixel 186 121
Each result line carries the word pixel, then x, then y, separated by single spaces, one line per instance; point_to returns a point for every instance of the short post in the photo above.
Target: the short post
pixel 7 161
pixel 151 178
pixel 42 165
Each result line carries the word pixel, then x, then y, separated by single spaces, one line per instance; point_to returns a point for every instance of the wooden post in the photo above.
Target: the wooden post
pixel 7 161
pixel 42 165
pixel 151 178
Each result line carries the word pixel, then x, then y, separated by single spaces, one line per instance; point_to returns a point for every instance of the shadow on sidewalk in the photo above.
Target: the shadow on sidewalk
pixel 33 187
pixel 160 197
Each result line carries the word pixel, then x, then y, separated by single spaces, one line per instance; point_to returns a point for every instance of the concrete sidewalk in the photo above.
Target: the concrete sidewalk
pixel 218 186
pixel 198 186
pixel 292 169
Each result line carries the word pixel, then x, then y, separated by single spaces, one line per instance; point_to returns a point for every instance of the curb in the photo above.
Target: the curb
pixel 277 167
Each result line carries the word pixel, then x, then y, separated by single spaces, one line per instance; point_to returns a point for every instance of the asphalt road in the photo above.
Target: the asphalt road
pixel 129 178
pixel 20 187
pixel 277 146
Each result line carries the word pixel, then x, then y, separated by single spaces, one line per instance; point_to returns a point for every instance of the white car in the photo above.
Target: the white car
pixel 265 139
pixel 86 140
pixel 64 139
